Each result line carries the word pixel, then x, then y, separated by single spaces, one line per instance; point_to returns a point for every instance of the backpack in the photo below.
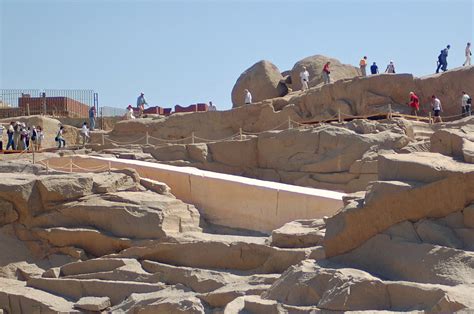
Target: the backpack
pixel 469 101
pixel 33 135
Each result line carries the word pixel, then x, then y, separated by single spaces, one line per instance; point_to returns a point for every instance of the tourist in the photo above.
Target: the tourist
pixel 363 66
pixel 24 137
pixel 33 136
pixel 59 137
pixel 443 60
pixel 1 136
pixel 141 103
pixel 468 54
pixel 304 76
pixel 466 104
pixel 92 115
pixel 129 114
pixel 326 73
pixel 248 97
pixel 212 107
pixel 10 132
pixel 39 138
pixel 414 104
pixel 436 106
pixel 84 133
pixel 390 68
pixel 16 134
pixel 374 69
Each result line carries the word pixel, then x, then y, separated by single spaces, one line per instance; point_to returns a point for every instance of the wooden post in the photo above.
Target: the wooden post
pixel 289 123
pixel 339 118
pixel 103 139
pixel 146 138
pixel 389 111
pixel 47 166
pixel 70 165
pixel 241 135
pixel 430 121
pixel 27 109
pixel 33 154
pixel 192 138
pixel 110 166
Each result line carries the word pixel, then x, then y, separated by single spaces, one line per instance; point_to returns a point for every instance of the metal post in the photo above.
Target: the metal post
pixel 289 123
pixel 103 139
pixel 43 95
pixel 192 138
pixel 241 134
pixel 146 138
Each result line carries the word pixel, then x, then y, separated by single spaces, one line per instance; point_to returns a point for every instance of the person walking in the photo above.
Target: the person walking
pixel 468 54
pixel 59 137
pixel 248 97
pixel 24 132
pixel 437 108
pixel 16 134
pixel 466 104
pixel 443 59
pixel 92 115
pixel 84 134
pixel 390 68
pixel 304 76
pixel 33 138
pixel 363 66
pixel 374 69
pixel 327 73
pixel 414 104
pixel 10 132
pixel 2 128
pixel 39 138
pixel 141 103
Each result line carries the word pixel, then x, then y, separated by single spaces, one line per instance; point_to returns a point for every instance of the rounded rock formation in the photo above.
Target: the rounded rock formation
pixel 263 80
pixel 315 64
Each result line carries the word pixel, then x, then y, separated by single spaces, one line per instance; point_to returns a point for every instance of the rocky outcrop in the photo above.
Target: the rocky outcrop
pixel 263 80
pixel 314 66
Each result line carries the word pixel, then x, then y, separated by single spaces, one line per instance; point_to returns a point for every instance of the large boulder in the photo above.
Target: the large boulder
pixel 315 64
pixel 263 80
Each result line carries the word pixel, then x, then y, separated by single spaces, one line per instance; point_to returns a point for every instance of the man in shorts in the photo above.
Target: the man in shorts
pixel 437 108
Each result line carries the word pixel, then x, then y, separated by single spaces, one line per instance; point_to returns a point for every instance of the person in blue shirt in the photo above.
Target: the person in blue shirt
pixel 443 60
pixel 92 114
pixel 141 103
pixel 374 69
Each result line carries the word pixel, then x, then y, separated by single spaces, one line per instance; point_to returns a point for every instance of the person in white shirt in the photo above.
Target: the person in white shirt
pixel 468 55
pixel 304 76
pixel 390 68
pixel 466 104
pixel 437 108
pixel 248 97
pixel 212 107
pixel 84 133
pixel 129 114
pixel 39 138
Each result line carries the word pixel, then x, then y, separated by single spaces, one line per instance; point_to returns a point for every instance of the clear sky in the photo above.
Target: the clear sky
pixel 184 52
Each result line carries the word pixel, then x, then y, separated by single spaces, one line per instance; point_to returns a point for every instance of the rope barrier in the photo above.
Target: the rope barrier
pixel 124 143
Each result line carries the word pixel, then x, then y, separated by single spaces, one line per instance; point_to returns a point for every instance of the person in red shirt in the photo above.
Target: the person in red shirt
pixel 414 104
pixel 326 72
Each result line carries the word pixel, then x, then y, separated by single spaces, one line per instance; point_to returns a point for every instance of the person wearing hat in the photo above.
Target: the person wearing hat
pixel 141 103
pixel 390 68
pixel 443 59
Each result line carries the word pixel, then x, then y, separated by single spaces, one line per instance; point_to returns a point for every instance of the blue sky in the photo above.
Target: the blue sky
pixel 183 52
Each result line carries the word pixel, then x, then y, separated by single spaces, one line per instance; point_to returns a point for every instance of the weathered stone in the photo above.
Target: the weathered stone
pixel 431 232
pixel 299 233
pixel 94 304
pixel 7 213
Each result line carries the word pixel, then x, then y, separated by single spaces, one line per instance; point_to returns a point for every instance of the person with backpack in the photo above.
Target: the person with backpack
pixel 443 59
pixel 466 104
pixel 10 132
pixel 390 68
pixel 33 137
pixel 468 54
pixel 59 137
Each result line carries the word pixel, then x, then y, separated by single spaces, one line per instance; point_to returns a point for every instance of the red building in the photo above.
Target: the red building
pixel 55 106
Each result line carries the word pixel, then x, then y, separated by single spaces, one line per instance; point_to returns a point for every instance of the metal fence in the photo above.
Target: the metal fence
pixel 111 111
pixel 10 97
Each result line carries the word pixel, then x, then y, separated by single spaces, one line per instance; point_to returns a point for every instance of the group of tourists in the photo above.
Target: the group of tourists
pixel 437 108
pixel 20 136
